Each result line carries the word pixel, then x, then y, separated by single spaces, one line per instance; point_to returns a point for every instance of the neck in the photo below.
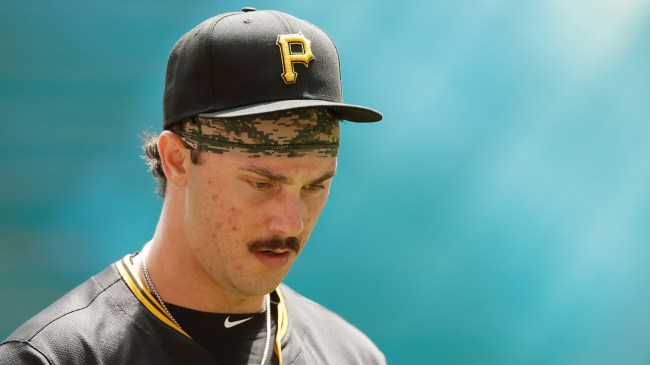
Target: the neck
pixel 179 281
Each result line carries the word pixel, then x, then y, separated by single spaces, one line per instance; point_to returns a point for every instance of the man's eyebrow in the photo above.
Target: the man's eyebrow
pixel 281 178
pixel 325 177
pixel 266 173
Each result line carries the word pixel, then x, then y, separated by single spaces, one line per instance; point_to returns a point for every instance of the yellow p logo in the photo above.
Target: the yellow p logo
pixel 285 41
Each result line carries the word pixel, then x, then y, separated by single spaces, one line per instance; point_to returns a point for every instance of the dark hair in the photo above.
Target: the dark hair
pixel 152 158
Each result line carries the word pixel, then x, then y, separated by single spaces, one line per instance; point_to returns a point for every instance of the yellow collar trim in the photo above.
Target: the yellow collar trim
pixel 283 325
pixel 129 274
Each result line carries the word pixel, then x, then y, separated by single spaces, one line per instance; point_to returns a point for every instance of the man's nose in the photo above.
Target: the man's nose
pixel 286 218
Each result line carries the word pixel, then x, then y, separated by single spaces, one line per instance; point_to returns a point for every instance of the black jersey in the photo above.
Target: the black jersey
pixel 113 319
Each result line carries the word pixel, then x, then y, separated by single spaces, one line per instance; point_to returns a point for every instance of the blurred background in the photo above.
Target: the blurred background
pixel 499 214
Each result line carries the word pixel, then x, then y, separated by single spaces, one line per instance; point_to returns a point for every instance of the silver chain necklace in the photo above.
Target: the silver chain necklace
pixel 149 284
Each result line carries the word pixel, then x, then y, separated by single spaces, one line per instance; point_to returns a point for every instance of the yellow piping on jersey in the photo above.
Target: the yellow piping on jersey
pixel 283 325
pixel 130 277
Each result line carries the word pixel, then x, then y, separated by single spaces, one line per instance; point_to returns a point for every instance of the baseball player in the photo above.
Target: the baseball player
pixel 252 105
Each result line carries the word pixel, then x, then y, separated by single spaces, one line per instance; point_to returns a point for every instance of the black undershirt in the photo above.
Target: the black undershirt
pixel 242 343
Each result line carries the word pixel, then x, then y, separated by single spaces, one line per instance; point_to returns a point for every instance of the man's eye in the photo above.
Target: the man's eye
pixel 315 187
pixel 260 185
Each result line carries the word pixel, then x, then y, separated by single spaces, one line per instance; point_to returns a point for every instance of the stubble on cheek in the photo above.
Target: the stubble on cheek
pixel 226 224
pixel 221 225
pixel 232 223
pixel 211 219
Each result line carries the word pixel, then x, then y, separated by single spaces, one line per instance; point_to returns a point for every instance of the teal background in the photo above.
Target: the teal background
pixel 498 215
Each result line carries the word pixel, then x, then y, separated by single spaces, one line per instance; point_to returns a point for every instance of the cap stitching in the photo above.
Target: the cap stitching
pixel 208 45
pixel 282 18
pixel 338 58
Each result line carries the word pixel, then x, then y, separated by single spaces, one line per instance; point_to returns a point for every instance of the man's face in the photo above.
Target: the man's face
pixel 248 218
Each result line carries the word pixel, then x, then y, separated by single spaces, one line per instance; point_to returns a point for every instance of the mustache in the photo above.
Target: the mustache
pixel 276 243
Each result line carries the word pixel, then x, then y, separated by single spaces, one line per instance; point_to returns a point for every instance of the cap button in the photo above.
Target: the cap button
pixel 247 9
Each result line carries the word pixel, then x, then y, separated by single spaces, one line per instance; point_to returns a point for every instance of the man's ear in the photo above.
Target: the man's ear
pixel 174 158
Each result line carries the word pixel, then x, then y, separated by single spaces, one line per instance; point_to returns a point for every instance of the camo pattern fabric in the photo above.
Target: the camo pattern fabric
pixel 293 133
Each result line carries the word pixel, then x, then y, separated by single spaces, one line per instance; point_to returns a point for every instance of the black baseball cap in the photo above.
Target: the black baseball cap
pixel 255 62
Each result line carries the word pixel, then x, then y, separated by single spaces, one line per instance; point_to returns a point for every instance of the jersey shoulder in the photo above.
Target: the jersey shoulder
pixel 325 336
pixel 60 330
pixel 100 322
pixel 71 305
pixel 15 352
